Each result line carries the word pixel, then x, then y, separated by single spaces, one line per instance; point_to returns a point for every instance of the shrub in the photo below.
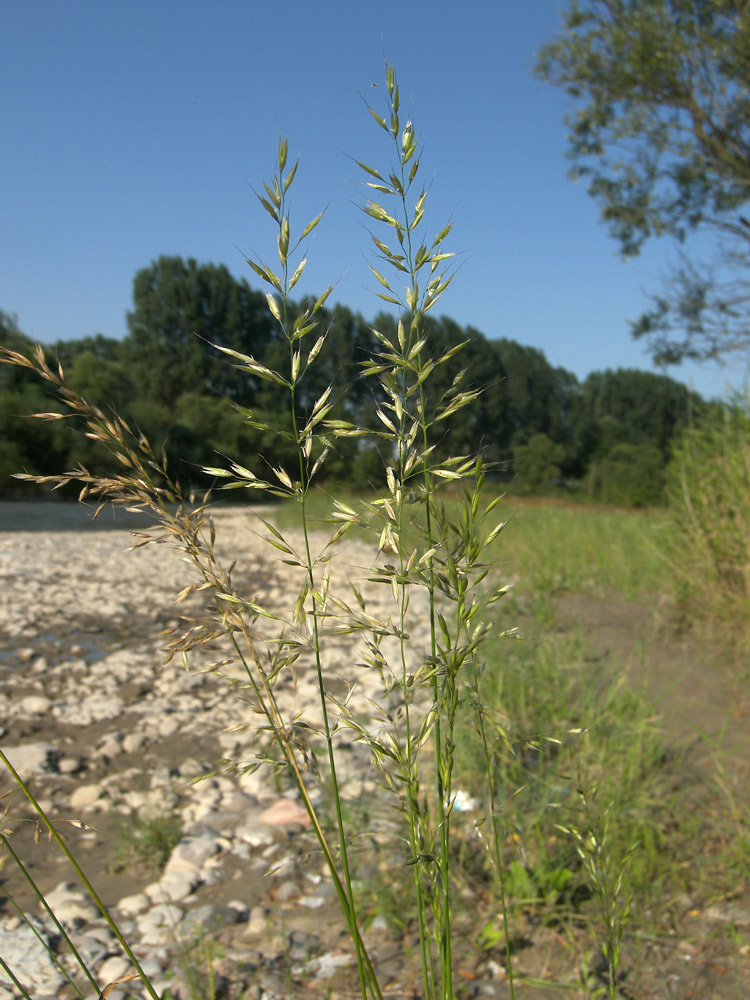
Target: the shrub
pixel 630 475
pixel 708 547
pixel 537 465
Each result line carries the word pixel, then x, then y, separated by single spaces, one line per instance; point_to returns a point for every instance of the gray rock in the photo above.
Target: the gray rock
pixel 302 945
pixel 208 918
pixel 91 951
pixel 287 890
pixel 33 758
pixel 152 967
pixel 251 832
pixel 192 852
pixel 159 925
pixel 29 959
pixel 174 886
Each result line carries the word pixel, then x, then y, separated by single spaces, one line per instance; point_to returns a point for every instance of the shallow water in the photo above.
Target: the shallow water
pixel 49 515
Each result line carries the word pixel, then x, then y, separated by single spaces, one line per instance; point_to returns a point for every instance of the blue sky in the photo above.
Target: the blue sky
pixel 132 130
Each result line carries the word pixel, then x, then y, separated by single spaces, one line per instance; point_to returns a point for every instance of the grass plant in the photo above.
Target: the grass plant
pixel 708 547
pixel 413 743
pixel 147 843
pixel 569 768
pixel 553 546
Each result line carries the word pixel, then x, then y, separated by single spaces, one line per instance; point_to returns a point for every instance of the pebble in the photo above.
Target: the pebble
pixel 33 704
pixel 133 906
pixel 85 796
pixel 172 887
pixel 112 969
pixel 158 925
pixel 257 923
pixel 302 945
pixel 285 812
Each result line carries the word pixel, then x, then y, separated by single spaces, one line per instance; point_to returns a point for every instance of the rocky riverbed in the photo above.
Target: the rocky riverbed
pixel 111 738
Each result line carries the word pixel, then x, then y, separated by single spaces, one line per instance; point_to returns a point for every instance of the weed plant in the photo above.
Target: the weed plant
pixel 590 793
pixel 147 843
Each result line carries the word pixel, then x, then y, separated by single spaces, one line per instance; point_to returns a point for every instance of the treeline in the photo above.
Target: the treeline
pixel 607 438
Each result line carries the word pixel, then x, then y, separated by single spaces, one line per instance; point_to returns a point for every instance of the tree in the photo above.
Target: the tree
pixel 661 131
pixel 628 406
pixel 539 396
pixel 537 464
pixel 181 307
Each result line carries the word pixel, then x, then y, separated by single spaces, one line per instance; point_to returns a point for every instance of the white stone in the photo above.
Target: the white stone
pixel 175 886
pixel 158 926
pixel 257 923
pixel 70 905
pixel 168 726
pixel 32 758
pixel 33 704
pixel 134 741
pixel 29 959
pixel 112 969
pixel 250 832
pixel 133 906
pixel 192 853
pixel 85 796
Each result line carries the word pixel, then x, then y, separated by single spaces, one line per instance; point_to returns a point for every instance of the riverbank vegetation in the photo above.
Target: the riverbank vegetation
pixel 541 431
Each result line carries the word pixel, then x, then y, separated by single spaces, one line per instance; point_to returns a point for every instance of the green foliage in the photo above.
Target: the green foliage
pixel 521 395
pixel 537 465
pixel 593 802
pixel 627 406
pixel 539 396
pixel 660 132
pixel 708 548
pixel 180 309
pixel 630 474
pixel 104 381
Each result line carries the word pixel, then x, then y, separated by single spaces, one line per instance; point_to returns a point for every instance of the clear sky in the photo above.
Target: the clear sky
pixel 134 129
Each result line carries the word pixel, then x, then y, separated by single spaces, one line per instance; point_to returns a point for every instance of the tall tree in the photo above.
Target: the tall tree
pixel 539 396
pixel 633 407
pixel 180 308
pixel 661 131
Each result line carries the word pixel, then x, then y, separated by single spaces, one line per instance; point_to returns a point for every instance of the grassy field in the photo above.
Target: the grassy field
pixel 619 827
